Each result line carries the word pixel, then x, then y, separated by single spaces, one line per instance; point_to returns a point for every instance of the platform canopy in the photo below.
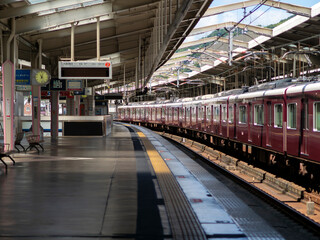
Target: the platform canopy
pixel 254 54
pixel 136 36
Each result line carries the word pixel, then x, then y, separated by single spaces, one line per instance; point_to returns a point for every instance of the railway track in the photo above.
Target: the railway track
pixel 286 196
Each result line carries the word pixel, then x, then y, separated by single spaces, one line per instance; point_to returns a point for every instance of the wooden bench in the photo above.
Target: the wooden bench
pixel 4 152
pixel 18 140
pixel 34 141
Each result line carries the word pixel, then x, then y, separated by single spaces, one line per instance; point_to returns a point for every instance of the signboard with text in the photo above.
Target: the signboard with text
pixel 74 85
pixel 85 70
pixel 57 84
pixel 23 76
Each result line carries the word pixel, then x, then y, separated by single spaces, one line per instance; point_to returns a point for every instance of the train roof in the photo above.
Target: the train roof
pixel 277 88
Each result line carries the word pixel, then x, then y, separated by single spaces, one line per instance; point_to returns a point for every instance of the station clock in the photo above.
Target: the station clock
pixel 40 77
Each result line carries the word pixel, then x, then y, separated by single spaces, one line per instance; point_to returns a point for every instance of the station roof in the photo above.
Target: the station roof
pixel 256 54
pixel 136 36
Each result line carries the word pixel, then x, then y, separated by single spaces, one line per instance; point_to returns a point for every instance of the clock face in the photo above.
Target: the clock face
pixel 42 77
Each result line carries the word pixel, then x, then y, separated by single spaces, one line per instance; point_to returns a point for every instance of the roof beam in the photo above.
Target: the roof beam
pixel 212 39
pixel 35 8
pixel 53 20
pixel 181 54
pixel 260 30
pixel 296 9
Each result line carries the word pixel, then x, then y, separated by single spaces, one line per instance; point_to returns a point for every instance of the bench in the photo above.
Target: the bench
pixel 18 140
pixel 34 141
pixel 4 152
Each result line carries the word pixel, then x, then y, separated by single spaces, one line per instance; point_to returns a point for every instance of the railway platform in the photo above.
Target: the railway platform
pixel 132 184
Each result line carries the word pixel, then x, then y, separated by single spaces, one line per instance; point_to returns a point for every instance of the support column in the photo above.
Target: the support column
pixel 54 114
pixel 70 106
pixel 8 88
pixel 91 104
pixel 36 98
pixel 76 105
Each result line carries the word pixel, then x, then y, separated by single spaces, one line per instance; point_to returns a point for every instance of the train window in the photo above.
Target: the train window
pixel 216 111
pixel 224 113
pixel 194 114
pixel 243 114
pixel 200 113
pixel 181 110
pixel 292 115
pixel 278 117
pixel 316 120
pixel 231 115
pixel 163 112
pixel 170 113
pixel 175 114
pixel 158 113
pixel 258 114
pixel 208 113
pixel 187 114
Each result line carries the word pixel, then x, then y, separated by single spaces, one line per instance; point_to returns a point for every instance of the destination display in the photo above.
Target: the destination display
pixel 85 70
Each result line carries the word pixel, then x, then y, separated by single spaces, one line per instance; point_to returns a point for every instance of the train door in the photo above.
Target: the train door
pixel 304 126
pixel 268 124
pixel 250 121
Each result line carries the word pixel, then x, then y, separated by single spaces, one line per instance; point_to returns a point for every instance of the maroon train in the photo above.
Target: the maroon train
pixel 282 118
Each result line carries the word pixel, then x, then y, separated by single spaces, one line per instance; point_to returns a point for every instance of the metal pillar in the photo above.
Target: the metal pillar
pixel 98 38
pixel 76 105
pixel 72 41
pixel 91 104
pixel 8 88
pixel 54 114
pixel 36 98
pixel 70 106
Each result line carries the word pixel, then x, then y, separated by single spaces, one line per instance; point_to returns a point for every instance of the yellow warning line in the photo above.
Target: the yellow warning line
pixel 184 223
pixel 156 160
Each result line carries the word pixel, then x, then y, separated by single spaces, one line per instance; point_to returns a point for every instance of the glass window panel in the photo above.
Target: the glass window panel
pixel 231 114
pixel 208 113
pixel 242 114
pixel 224 113
pixel 317 116
pixel 217 113
pixel 175 115
pixel 258 114
pixel 292 115
pixel 278 115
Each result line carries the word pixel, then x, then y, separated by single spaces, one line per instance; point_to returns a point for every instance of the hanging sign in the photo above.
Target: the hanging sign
pixel 85 70
pixel 23 76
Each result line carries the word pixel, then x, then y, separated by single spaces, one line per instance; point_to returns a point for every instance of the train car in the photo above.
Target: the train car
pixel 174 111
pixel 284 120
pixel 187 105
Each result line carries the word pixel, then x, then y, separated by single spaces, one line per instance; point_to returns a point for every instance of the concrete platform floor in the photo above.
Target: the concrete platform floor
pixel 82 188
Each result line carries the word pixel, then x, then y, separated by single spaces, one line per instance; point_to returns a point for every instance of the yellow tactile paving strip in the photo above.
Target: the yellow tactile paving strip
pixel 183 221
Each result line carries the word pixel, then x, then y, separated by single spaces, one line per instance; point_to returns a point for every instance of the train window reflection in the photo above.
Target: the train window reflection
pixel 316 116
pixel 242 114
pixel 278 117
pixel 292 115
pixel 208 113
pixel 224 113
pixel 258 114
pixel 216 114
pixel 230 114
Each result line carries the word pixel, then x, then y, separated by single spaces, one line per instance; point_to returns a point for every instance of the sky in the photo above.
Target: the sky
pixel 265 15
